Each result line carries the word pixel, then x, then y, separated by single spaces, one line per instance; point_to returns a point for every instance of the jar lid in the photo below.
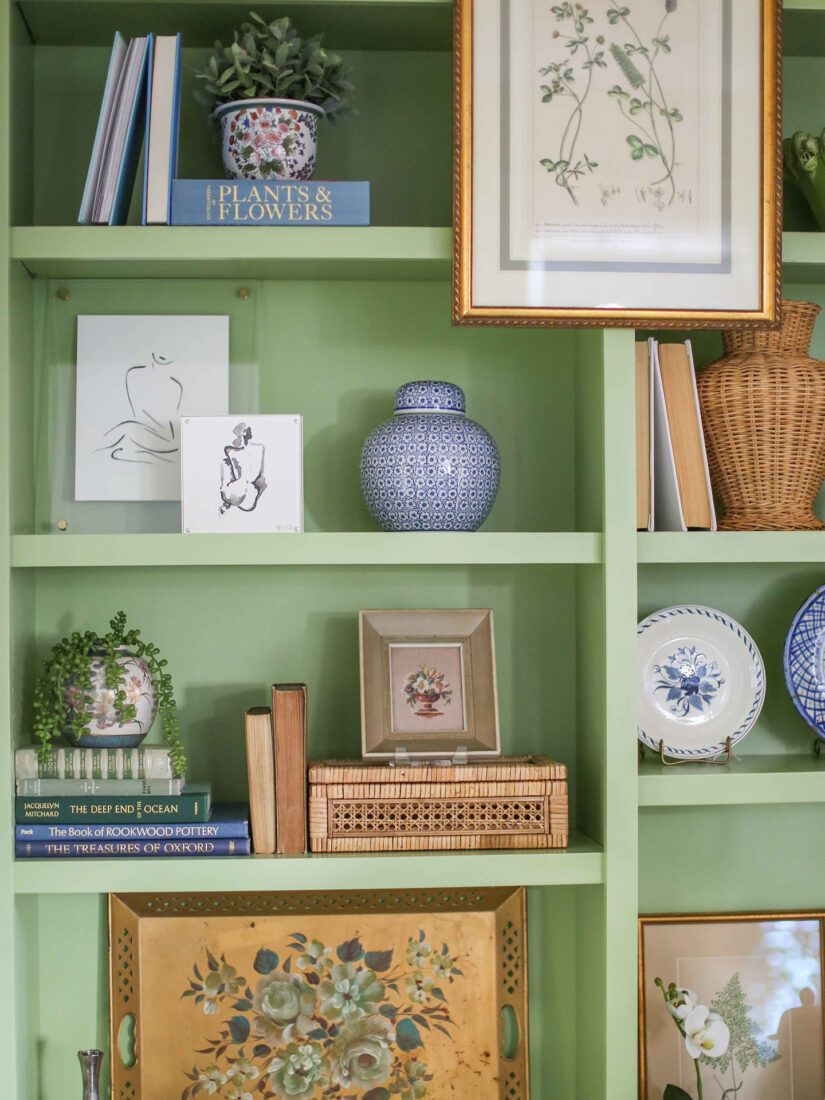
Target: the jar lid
pixel 438 396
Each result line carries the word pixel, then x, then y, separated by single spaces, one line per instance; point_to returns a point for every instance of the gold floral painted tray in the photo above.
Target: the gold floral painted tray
pixel 369 995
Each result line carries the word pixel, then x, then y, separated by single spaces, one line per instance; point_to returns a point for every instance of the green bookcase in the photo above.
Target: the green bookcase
pixel 333 321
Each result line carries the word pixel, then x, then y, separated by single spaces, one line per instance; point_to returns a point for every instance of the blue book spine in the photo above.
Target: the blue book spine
pixel 134 141
pixel 229 821
pixel 117 849
pixel 270 202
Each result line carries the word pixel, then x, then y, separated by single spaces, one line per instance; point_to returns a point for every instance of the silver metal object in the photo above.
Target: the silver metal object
pixel 90 1061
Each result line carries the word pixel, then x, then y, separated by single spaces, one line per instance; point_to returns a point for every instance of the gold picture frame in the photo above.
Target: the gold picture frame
pixel 797 1020
pixel 428 684
pixel 742 287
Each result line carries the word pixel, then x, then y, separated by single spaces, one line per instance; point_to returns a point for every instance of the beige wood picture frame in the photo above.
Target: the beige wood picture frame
pixel 428 684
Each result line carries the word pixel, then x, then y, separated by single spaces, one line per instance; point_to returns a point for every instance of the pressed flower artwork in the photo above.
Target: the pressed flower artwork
pixel 733 1009
pixel 617 162
pixel 365 995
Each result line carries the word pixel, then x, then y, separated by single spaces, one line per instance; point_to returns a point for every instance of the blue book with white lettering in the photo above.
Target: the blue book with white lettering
pixel 118 849
pixel 270 202
pixel 229 821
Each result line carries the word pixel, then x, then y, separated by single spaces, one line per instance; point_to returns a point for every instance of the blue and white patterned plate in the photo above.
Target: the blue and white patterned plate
pixel 804 661
pixel 701 680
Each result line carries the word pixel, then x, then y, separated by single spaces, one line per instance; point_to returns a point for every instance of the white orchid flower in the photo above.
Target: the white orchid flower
pixel 706 1033
pixel 681 1006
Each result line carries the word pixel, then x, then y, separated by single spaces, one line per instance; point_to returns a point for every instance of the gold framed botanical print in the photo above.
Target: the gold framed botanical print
pixel 428 684
pixel 731 1005
pixel 617 164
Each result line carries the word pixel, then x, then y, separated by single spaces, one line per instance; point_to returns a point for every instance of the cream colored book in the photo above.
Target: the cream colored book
pixel 260 763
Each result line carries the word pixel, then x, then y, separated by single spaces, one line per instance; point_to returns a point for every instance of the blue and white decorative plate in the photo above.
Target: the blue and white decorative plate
pixel 804 661
pixel 701 680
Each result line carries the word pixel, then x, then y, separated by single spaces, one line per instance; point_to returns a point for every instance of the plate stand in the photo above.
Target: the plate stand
pixel 719 761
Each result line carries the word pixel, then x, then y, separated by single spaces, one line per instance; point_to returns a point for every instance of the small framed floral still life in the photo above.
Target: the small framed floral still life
pixel 617 163
pixel 731 1006
pixel 325 995
pixel 428 684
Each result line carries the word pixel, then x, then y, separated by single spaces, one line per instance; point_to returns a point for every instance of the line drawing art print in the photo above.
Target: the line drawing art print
pixel 242 472
pixel 136 377
pixel 150 435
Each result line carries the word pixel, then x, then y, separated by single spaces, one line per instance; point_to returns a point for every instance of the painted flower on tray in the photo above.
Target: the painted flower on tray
pixel 210 1079
pixel 298 1070
pixel 418 953
pixel 351 993
pixel 284 1005
pixel 354 1028
pixel 410 1081
pixel 690 682
pixel 361 1055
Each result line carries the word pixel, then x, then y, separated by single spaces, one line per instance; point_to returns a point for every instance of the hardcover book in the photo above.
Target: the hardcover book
pixel 46 787
pixel 260 765
pixel 149 762
pixel 192 805
pixel 276 202
pixel 289 725
pixel 117 849
pixel 229 821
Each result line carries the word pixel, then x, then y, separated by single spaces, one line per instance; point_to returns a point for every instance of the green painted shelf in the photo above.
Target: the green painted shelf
pixel 582 863
pixel 299 252
pixel 747 780
pixel 340 548
pixel 670 547
pixel 228 252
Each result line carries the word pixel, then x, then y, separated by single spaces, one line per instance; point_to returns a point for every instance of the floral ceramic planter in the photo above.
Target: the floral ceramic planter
pixel 103 728
pixel 269 139
pixel 429 468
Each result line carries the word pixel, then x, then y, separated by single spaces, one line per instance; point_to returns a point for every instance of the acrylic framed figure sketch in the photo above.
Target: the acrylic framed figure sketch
pixel 136 377
pixel 428 683
pixel 617 164
pixel 730 1006
pixel 242 474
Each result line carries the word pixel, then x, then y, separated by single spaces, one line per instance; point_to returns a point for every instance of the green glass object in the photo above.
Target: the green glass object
pixel 804 159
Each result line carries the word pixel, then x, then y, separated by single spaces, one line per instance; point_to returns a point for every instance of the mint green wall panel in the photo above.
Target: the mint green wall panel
pixel 229 634
pixel 335 352
pixel 401 141
pixel 730 858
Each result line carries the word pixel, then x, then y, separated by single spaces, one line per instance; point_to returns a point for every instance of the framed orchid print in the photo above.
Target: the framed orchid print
pixel 617 163
pixel 731 1006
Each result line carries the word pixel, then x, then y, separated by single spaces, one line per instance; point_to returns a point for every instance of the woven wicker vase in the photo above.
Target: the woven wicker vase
pixel 763 408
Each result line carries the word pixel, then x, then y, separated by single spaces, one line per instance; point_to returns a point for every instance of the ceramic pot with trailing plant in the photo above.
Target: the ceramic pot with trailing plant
pixel 105 690
pixel 268 90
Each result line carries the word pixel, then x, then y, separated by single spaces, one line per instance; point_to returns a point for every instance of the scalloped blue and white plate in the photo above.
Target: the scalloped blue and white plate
pixel 701 680
pixel 804 661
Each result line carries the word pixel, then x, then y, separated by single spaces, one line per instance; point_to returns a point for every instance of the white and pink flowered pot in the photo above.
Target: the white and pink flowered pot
pixel 266 139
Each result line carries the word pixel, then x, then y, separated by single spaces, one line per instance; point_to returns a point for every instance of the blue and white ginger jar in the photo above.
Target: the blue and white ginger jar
pixel 429 468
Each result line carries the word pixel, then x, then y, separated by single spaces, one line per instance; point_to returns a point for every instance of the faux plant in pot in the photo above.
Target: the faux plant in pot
pixel 268 89
pixel 104 691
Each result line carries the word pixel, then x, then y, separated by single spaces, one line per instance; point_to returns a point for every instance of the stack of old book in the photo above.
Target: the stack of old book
pixel 118 802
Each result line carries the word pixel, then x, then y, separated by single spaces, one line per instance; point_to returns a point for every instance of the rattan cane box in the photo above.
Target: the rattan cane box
pixel 357 806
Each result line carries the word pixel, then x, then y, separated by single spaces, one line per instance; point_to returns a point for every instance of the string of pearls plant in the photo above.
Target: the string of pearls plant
pixel 64 693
